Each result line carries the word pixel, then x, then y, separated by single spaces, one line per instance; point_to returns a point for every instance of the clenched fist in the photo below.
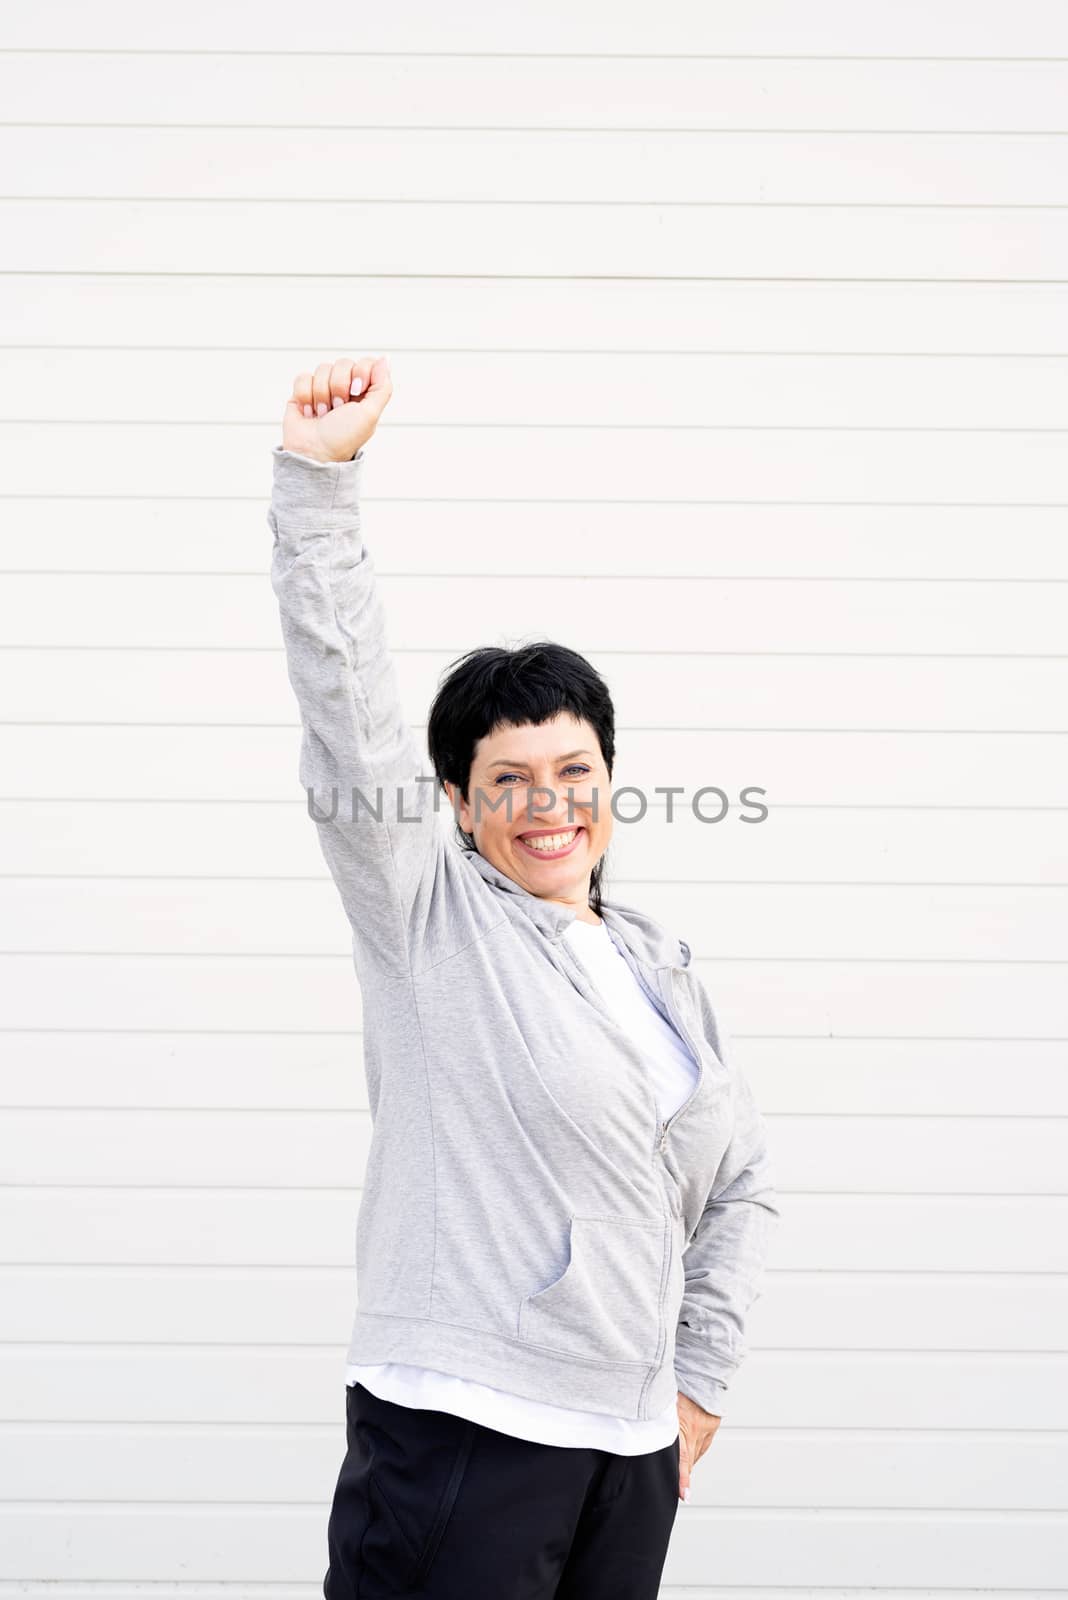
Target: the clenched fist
pixel 334 410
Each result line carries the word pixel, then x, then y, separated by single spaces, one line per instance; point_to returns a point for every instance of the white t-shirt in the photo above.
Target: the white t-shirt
pixel 674 1073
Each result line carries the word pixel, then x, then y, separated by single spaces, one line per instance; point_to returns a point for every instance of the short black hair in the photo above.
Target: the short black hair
pixel 493 687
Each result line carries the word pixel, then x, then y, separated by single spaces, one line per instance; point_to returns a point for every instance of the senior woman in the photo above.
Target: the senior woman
pixel 568 1194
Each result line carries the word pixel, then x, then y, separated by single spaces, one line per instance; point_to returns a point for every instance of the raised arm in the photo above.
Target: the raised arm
pixel 354 735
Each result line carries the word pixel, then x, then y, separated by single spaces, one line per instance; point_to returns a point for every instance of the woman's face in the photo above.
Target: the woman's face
pixel 522 783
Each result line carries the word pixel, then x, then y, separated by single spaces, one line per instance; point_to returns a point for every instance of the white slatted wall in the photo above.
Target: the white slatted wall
pixel 730 346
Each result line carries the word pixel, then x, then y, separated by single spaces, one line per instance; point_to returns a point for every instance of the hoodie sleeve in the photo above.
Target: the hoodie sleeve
pixel 355 741
pixel 724 1260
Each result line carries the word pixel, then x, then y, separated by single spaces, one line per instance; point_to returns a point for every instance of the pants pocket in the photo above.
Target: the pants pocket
pixel 605 1305
pixel 418 1459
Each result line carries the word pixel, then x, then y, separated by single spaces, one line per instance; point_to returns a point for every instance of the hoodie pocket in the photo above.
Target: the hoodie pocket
pixel 605 1306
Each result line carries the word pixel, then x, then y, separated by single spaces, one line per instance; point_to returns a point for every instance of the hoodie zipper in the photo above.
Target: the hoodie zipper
pixel 666 990
pixel 635 965
pixel 665 995
pixel 593 995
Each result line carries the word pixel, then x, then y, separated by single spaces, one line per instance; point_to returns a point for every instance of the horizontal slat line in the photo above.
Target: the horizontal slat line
pixel 357 1033
pixel 298 1032
pixel 597 130
pixel 346 957
pixel 260 1269
pixel 567 572
pixel 711 883
pixel 176 1190
pixel 261 1589
pixel 555 350
pixel 320 1429
pixel 302 1269
pixel 162 1508
pixel 816 1274
pixel 47 1346
pixel 528 427
pixel 205 1589
pixel 896 1516
pixel 524 277
pixel 532 204
pixel 485 55
pixel 747 727
pixel 499 55
pixel 546 500
pixel 332 1188
pixel 632 727
pixel 794 1510
pixel 156 1508
pixel 747 1512
pixel 114 1108
pixel 539 428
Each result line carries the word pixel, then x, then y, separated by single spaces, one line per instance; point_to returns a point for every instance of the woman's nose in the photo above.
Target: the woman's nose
pixel 548 803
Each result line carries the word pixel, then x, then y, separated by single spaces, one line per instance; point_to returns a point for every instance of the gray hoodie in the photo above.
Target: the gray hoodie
pixel 527 1220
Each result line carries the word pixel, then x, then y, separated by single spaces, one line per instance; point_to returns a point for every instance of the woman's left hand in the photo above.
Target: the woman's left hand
pixel 697 1429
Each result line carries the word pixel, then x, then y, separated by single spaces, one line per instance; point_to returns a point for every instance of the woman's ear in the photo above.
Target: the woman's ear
pixel 460 810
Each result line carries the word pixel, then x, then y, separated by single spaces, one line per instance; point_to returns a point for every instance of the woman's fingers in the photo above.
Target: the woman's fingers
pixel 321 388
pixel 332 384
pixel 302 393
pixel 348 379
pixel 685 1466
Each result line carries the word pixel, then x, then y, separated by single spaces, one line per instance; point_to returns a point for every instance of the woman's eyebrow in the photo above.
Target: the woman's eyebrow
pixel 566 757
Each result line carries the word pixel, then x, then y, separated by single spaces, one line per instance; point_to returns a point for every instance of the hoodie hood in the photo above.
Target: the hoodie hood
pixel 646 938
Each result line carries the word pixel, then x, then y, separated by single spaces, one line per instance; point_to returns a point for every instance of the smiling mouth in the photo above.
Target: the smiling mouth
pixel 550 846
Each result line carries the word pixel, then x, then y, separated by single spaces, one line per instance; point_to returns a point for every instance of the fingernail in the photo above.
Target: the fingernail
pixel 357 385
pixel 686 1495
pixel 321 408
pixel 337 401
pixel 307 411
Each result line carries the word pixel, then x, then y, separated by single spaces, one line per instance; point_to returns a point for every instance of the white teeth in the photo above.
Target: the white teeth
pixel 555 841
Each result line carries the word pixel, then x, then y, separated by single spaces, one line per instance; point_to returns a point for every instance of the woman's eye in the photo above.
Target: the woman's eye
pixel 502 776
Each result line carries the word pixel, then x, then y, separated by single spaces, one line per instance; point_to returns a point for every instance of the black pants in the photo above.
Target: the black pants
pixel 431 1505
